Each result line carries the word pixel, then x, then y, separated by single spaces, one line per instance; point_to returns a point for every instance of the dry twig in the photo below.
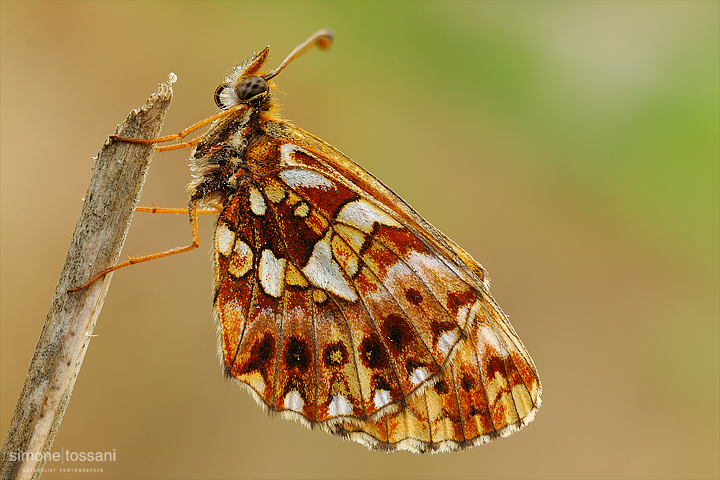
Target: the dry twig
pixel 113 193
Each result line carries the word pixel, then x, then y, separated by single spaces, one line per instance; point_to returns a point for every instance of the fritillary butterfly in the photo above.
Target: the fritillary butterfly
pixel 338 305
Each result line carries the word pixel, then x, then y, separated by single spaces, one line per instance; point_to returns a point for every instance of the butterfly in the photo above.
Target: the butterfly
pixel 337 304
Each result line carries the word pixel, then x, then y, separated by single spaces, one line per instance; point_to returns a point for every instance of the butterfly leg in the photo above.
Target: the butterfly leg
pixel 193 210
pixel 182 134
pixel 215 209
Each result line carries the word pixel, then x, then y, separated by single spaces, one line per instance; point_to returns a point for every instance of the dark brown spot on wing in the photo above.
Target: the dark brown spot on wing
pixel 397 331
pixel 261 356
pixel 297 354
pixel 372 353
pixel 413 296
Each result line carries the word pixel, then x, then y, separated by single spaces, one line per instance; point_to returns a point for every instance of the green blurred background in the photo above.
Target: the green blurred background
pixel 571 147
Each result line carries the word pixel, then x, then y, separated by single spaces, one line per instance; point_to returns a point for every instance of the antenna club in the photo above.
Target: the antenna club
pixel 325 38
pixel 322 39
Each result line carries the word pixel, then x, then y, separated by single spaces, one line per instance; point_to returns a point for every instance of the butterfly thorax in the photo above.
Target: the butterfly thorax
pixel 232 152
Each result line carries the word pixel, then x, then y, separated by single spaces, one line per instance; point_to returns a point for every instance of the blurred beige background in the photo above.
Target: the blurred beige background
pixel 571 147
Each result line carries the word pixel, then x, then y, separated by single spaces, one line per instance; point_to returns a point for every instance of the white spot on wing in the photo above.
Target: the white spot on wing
pixel 462 315
pixel 447 340
pixel 272 273
pixel 257 202
pixel 427 263
pixel 224 239
pixel 490 340
pixel 299 177
pixel 285 151
pixel 418 376
pixel 339 406
pixel 293 401
pixel 324 272
pixel 381 398
pixel 363 215
pixel 242 260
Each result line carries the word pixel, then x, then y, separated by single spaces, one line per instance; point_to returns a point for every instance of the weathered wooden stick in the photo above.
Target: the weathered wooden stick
pixel 114 190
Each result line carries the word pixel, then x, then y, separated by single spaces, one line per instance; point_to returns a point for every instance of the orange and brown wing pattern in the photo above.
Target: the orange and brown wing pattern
pixel 490 390
pixel 329 307
pixel 333 310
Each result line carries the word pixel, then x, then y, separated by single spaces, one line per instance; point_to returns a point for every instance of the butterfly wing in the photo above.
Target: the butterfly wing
pixel 337 303
pixel 488 391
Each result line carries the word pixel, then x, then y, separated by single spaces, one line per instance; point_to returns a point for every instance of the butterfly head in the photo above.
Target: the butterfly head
pixel 246 82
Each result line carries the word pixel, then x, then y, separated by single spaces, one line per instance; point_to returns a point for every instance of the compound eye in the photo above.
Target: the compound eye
pixel 251 86
pixel 220 93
